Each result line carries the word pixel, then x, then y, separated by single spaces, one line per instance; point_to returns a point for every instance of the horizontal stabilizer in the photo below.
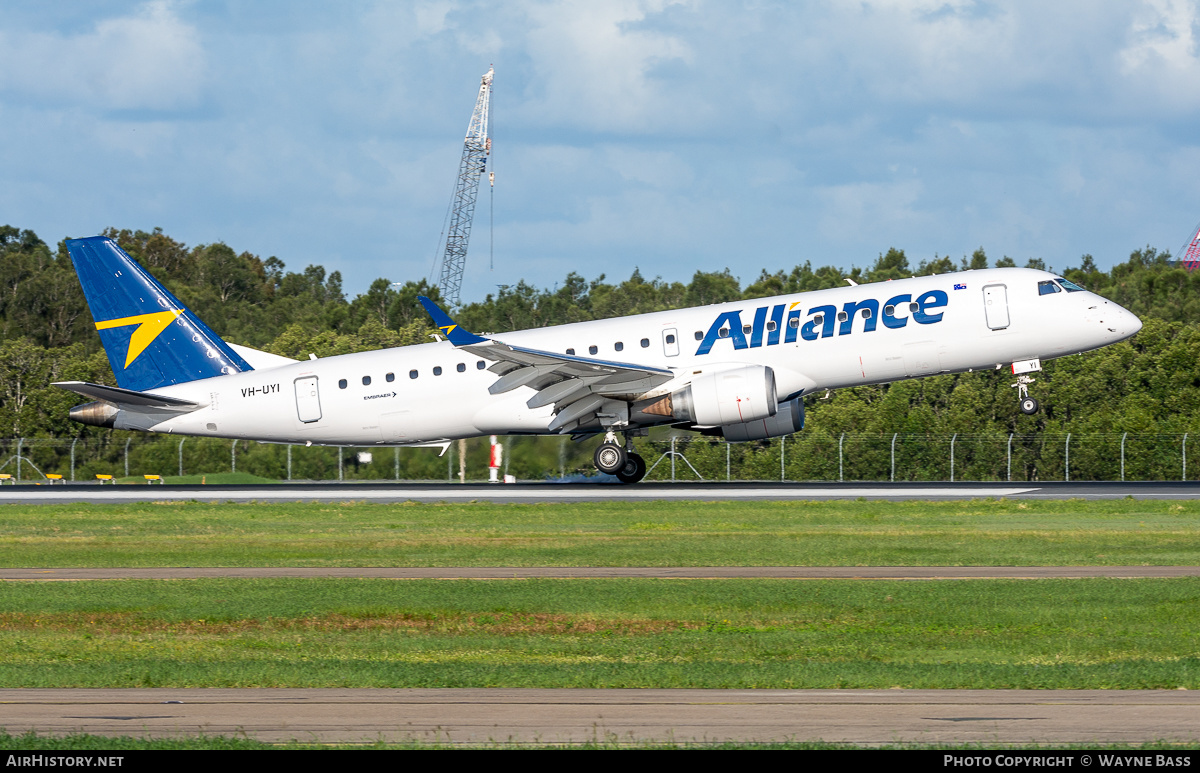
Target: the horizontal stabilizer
pixel 126 396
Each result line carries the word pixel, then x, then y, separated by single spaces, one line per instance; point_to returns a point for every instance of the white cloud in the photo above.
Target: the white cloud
pixel 669 135
pixel 592 66
pixel 1160 57
pixel 149 60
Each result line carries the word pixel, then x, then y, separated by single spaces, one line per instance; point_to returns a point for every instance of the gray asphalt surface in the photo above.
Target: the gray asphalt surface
pixel 475 716
pixel 592 492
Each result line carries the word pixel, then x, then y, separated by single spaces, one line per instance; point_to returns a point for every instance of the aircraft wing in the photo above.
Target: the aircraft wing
pixel 577 386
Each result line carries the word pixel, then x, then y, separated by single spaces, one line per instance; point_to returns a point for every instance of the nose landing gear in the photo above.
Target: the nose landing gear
pixel 1029 406
pixel 612 459
pixel 1021 369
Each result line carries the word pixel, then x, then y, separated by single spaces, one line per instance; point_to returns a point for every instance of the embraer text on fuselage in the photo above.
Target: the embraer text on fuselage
pixel 824 321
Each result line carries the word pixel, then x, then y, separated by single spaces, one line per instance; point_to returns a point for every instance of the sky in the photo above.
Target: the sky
pixel 667 137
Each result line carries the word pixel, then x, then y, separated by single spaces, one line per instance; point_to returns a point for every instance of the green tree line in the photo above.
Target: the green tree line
pixel 1149 385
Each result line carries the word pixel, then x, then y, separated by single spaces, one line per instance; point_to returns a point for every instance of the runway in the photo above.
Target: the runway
pixel 594 492
pixel 481 716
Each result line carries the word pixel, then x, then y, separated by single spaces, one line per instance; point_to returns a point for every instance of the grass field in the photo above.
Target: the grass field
pixel 981 532
pixel 602 633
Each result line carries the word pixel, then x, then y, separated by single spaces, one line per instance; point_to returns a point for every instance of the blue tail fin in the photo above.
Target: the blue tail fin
pixel 151 339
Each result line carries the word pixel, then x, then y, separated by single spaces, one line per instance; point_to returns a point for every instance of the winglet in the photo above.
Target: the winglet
pixel 457 335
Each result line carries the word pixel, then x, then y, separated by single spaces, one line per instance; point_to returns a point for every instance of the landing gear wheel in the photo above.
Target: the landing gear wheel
pixel 610 458
pixel 634 469
pixel 1029 406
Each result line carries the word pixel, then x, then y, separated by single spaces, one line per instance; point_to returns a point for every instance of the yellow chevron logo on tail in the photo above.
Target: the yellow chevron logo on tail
pixel 149 327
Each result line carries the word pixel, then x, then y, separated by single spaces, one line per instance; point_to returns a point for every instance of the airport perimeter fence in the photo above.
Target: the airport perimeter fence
pixel 807 456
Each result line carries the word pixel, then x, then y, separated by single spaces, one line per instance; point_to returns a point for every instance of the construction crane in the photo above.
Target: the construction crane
pixel 1189 254
pixel 476 149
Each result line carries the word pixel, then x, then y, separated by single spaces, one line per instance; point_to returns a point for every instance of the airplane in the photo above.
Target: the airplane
pixel 739 370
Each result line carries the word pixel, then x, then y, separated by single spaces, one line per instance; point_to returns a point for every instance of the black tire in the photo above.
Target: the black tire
pixel 1029 406
pixel 610 458
pixel 634 469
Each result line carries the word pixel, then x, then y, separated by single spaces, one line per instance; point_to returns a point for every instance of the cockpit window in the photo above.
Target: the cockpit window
pixel 1048 288
pixel 1069 286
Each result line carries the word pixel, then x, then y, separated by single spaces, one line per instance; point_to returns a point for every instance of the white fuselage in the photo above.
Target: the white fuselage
pixel 435 392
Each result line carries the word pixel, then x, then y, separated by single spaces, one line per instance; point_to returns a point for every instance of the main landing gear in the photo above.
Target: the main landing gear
pixel 612 459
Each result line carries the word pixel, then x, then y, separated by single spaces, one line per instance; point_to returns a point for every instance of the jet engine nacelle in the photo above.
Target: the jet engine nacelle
pixel 788 419
pixel 740 394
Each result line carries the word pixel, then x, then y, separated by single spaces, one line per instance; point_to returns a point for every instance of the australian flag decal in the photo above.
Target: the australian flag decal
pixel 960 286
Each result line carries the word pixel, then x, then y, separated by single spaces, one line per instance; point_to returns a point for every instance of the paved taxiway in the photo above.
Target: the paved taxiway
pixel 593 492
pixel 465 716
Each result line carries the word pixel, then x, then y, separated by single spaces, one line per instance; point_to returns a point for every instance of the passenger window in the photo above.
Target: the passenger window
pixel 747 329
pixel 592 349
pixel 819 319
pixel 412 374
pixel 723 333
pixel 366 381
pixel 618 346
pixel 866 314
pixel 794 322
pixel 462 367
pixel 390 377
pixel 571 352
pixel 437 370
pixel 914 307
pixel 889 310
pixel 341 383
pixel 771 326
pixel 1048 288
pixel 645 343
pixel 670 339
pixel 699 335
pixel 843 316
pixel 480 365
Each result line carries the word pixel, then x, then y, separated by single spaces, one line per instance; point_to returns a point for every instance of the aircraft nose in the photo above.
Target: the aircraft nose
pixel 1118 322
pixel 1135 324
pixel 1123 323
